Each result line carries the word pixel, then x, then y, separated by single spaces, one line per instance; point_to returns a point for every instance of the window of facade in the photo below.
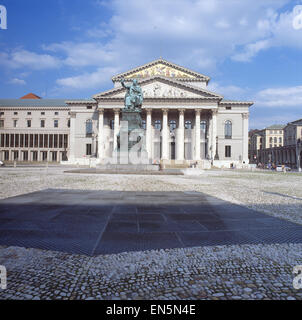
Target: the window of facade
pixel 68 123
pixel 56 113
pixel 1 123
pixel 56 123
pixel 227 151
pixel 42 113
pixel 89 128
pixel 144 124
pixel 29 113
pixel 15 113
pixel 112 124
pixel 15 123
pixel 157 124
pixel 28 123
pixel 42 123
pixel 88 149
pixel 228 129
pixel 188 124
pixel 203 126
pixel 172 125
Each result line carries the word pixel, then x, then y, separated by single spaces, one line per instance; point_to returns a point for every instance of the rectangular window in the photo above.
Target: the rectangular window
pixel 51 141
pixel 41 141
pixel 1 123
pixel 42 123
pixel 60 141
pixel 2 140
pixel 65 141
pixel 26 141
pixel 17 141
pixel 88 149
pixel 25 155
pixel 227 151
pixel 35 155
pixel 55 140
pixel 29 113
pixel 45 140
pixel 15 123
pixel 21 140
pixel 56 113
pixel 6 155
pixel 7 140
pixel 36 141
pixel 56 123
pixel 12 140
pixel 16 155
pixel 31 141
pixel 42 113
pixel 28 123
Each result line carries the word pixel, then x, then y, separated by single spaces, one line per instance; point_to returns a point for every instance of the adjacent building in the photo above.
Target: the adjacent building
pixel 184 122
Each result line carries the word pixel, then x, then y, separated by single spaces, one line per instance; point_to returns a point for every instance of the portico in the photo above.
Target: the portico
pixel 182 120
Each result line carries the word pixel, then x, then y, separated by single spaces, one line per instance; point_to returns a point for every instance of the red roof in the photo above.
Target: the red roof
pixel 31 96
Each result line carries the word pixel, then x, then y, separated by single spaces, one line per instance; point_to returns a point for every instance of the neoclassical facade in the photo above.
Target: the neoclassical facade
pixel 184 122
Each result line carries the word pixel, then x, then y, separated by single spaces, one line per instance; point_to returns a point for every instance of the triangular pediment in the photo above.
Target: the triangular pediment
pixel 161 68
pixel 162 88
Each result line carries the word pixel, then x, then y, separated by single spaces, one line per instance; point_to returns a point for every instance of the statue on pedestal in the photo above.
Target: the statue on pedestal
pixel 134 96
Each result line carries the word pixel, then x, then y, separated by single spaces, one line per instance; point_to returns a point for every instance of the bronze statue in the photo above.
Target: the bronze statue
pixel 134 96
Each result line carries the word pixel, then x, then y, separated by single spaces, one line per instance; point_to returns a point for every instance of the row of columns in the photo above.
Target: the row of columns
pixel 165 133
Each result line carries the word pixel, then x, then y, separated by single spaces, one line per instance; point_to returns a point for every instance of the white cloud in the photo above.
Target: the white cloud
pixel 17 81
pixel 22 58
pixel 280 97
pixel 83 54
pixel 88 80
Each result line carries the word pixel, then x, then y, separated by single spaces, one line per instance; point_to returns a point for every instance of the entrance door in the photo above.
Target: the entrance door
pixel 172 150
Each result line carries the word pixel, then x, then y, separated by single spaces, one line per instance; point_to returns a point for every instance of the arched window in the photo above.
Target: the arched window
pixel 275 140
pixel 203 126
pixel 157 124
pixel 270 140
pixel 89 128
pixel 144 124
pixel 172 125
pixel 280 140
pixel 188 124
pixel 228 129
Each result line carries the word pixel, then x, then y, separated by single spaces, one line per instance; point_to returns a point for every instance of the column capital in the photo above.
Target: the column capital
pixel 214 112
pixel 101 110
pixel 73 114
pixel 181 111
pixel 197 112
pixel 116 110
pixel 165 111
pixel 245 115
pixel 148 111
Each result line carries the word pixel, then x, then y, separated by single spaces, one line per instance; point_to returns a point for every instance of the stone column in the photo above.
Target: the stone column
pixel 214 133
pixel 180 142
pixel 149 133
pixel 116 127
pixel 165 149
pixel 245 137
pixel 209 137
pixel 73 116
pixel 197 134
pixel 101 134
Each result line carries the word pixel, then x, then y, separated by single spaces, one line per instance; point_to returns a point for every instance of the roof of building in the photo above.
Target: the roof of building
pixel 17 103
pixel 276 126
pixel 30 96
pixel 195 74
pixel 297 122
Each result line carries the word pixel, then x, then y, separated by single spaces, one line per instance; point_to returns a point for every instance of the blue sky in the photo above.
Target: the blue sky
pixel 72 48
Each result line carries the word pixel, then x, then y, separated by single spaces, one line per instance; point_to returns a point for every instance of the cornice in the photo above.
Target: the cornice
pixel 165 80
